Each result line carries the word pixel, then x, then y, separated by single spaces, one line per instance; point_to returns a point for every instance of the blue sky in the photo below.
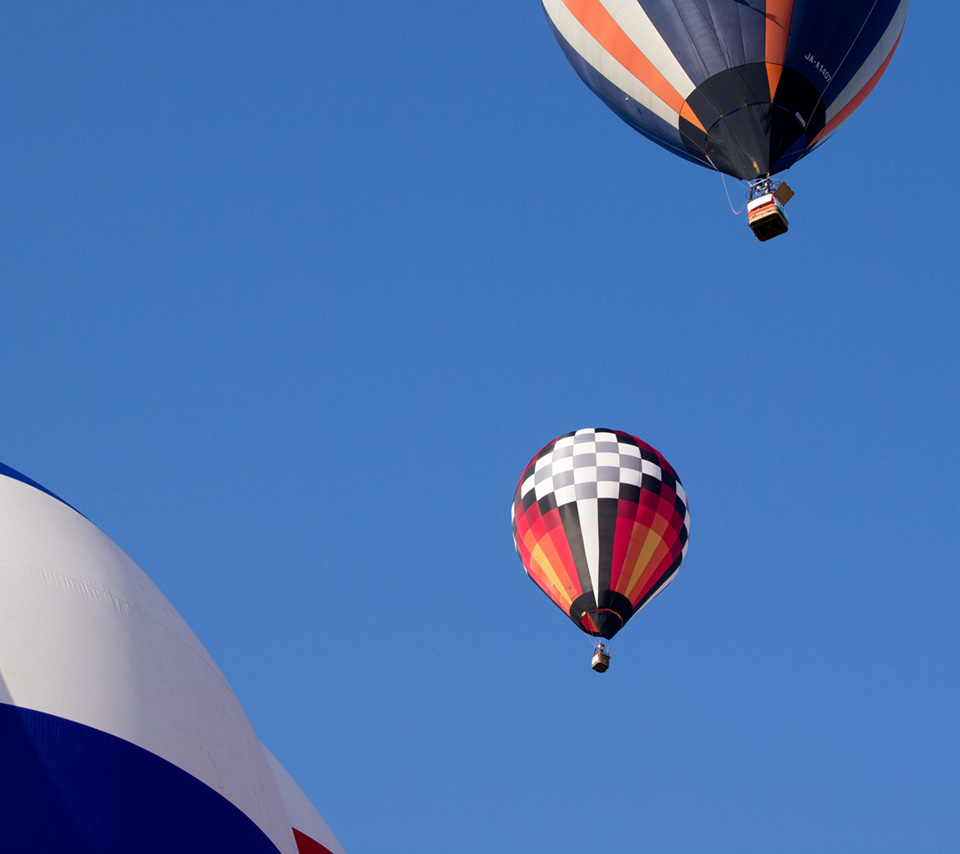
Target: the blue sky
pixel 292 293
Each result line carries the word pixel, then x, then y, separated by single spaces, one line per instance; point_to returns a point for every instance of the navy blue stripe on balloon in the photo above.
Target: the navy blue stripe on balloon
pixel 13 474
pixel 708 36
pixel 69 787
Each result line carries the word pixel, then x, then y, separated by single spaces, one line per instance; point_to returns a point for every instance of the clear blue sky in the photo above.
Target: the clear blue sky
pixel 292 292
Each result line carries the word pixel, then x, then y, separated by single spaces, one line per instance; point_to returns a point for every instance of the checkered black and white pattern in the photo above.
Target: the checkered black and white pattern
pixel 590 464
pixel 595 463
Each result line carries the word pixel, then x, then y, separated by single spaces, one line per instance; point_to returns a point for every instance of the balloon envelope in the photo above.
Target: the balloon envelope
pixel 745 86
pixel 118 733
pixel 601 524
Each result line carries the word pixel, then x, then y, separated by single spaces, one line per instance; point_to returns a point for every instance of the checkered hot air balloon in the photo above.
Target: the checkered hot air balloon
pixel 600 522
pixel 747 88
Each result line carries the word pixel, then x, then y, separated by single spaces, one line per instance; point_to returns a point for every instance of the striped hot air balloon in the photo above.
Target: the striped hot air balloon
pixel 118 734
pixel 601 524
pixel 744 86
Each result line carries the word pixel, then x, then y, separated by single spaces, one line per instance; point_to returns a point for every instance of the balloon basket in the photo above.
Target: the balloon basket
pixel 765 214
pixel 766 217
pixel 601 659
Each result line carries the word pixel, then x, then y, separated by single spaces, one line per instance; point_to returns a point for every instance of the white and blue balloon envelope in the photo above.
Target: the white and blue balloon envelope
pixel 118 733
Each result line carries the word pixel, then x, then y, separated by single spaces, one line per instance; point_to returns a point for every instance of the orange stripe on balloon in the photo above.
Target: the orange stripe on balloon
pixel 626 520
pixel 857 99
pixel 549 558
pixel 628 568
pixel 779 13
pixel 632 565
pixel 661 522
pixel 602 26
pixel 645 563
pixel 562 561
pixel 545 576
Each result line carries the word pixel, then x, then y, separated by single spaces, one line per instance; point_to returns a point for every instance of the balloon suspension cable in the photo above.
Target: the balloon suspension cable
pixel 723 180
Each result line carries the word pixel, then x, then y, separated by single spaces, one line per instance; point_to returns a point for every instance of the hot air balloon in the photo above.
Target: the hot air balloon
pixel 600 522
pixel 746 87
pixel 118 733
